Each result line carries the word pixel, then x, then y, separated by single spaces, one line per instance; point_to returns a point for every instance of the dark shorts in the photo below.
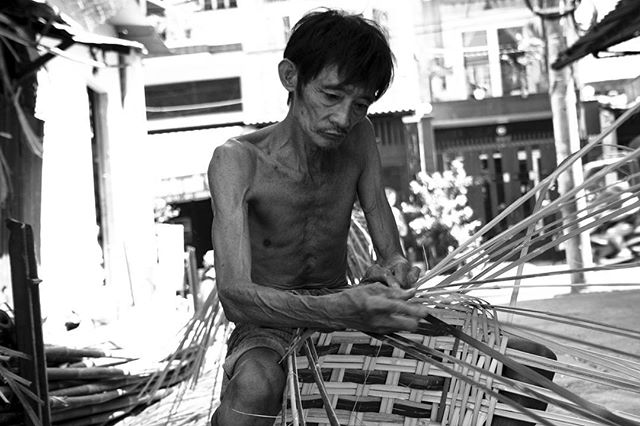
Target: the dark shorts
pixel 246 337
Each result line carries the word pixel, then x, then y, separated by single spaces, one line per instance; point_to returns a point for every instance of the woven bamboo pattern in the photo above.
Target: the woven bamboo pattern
pixel 371 382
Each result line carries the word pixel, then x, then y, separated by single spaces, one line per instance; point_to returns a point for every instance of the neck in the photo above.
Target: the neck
pixel 297 148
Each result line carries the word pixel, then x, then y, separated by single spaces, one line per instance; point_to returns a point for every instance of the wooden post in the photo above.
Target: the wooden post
pixel 26 303
pixel 192 277
pixel 567 141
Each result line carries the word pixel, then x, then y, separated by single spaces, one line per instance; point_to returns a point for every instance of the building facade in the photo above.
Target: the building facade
pixel 86 195
pixel 471 83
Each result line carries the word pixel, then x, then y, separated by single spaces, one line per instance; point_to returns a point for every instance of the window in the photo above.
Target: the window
pixel 217 4
pixel 193 98
pixel 522 66
pixel 489 62
pixel 476 64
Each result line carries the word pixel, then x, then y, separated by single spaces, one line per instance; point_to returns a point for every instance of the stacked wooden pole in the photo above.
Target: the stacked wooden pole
pixel 90 387
pixel 51 385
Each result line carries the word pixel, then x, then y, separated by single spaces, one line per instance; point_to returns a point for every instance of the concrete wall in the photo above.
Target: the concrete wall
pixel 70 254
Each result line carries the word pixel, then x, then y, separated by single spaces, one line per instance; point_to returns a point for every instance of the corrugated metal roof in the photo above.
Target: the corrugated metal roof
pixel 186 153
pixel 388 104
pixel 619 25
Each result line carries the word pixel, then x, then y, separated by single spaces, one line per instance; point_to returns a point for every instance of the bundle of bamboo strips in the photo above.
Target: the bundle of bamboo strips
pixel 203 345
pixel 90 386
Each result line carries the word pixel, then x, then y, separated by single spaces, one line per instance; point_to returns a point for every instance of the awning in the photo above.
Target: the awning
pixel 26 25
pixel 145 35
pixel 179 161
pixel 619 25
pixel 65 32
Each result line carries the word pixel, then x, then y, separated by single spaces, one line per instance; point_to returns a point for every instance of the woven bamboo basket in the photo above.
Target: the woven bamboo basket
pixel 368 381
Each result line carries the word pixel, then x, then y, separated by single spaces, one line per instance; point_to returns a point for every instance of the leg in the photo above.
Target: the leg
pixel 255 387
pixel 532 348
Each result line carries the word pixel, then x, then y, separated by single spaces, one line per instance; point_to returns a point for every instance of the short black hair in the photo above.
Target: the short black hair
pixel 357 46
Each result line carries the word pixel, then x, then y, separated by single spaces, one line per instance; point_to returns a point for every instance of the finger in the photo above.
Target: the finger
pixel 381 274
pixel 392 280
pixel 373 273
pixel 413 275
pixel 402 294
pixel 400 270
pixel 415 310
pixel 402 323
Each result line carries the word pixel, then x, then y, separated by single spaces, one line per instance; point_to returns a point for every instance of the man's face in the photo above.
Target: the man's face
pixel 327 110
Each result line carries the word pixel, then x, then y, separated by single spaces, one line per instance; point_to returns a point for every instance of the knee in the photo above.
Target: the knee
pixel 533 348
pixel 258 383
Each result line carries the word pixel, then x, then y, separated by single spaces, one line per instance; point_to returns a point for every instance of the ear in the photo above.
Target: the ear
pixel 288 75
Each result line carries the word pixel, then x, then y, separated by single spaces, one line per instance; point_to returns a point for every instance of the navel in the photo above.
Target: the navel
pixel 266 242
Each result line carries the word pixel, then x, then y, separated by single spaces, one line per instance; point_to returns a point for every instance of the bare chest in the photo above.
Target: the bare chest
pixel 282 197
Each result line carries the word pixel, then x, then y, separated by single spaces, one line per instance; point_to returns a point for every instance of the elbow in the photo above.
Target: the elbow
pixel 231 309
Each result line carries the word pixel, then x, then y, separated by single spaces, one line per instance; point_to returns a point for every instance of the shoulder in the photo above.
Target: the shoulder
pixel 233 160
pixel 231 154
pixel 364 141
pixel 364 133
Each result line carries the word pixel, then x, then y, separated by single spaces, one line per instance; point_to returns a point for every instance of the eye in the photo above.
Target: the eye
pixel 361 107
pixel 332 96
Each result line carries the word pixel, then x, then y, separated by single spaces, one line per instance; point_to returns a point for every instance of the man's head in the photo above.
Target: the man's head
pixel 357 47
pixel 335 65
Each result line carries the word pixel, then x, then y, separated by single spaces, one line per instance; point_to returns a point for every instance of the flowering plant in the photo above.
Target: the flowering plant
pixel 438 214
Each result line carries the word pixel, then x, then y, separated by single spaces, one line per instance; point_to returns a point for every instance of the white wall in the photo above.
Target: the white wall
pixel 69 252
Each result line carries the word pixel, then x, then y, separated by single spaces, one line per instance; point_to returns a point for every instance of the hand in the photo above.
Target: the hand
pixel 380 309
pixel 396 274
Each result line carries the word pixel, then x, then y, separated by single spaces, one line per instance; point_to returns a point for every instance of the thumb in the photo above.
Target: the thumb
pixel 403 294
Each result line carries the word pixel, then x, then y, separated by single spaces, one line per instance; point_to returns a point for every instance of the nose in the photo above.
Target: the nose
pixel 341 117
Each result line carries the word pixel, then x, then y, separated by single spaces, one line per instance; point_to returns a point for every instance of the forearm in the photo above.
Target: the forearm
pixel 257 304
pixel 385 237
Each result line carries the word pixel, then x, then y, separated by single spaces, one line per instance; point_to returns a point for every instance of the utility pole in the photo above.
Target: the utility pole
pixel 567 140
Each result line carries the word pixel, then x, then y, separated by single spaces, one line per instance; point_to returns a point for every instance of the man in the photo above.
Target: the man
pixel 282 198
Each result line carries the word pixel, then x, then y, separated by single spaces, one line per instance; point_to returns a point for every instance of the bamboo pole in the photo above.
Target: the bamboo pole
pixel 92 388
pixel 111 406
pixel 292 385
pixel 24 281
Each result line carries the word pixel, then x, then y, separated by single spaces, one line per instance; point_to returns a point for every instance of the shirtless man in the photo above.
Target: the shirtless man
pixel 282 199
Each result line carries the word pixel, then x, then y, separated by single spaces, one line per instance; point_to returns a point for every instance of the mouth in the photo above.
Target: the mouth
pixel 334 135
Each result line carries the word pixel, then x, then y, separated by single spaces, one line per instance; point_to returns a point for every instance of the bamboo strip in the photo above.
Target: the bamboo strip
pixel 507 243
pixel 312 357
pixel 451 260
pixel 424 353
pixel 592 410
pixel 571 320
pixel 574 350
pixel 548 274
pixel 566 164
pixel 608 362
pixel 569 369
pixel 293 385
